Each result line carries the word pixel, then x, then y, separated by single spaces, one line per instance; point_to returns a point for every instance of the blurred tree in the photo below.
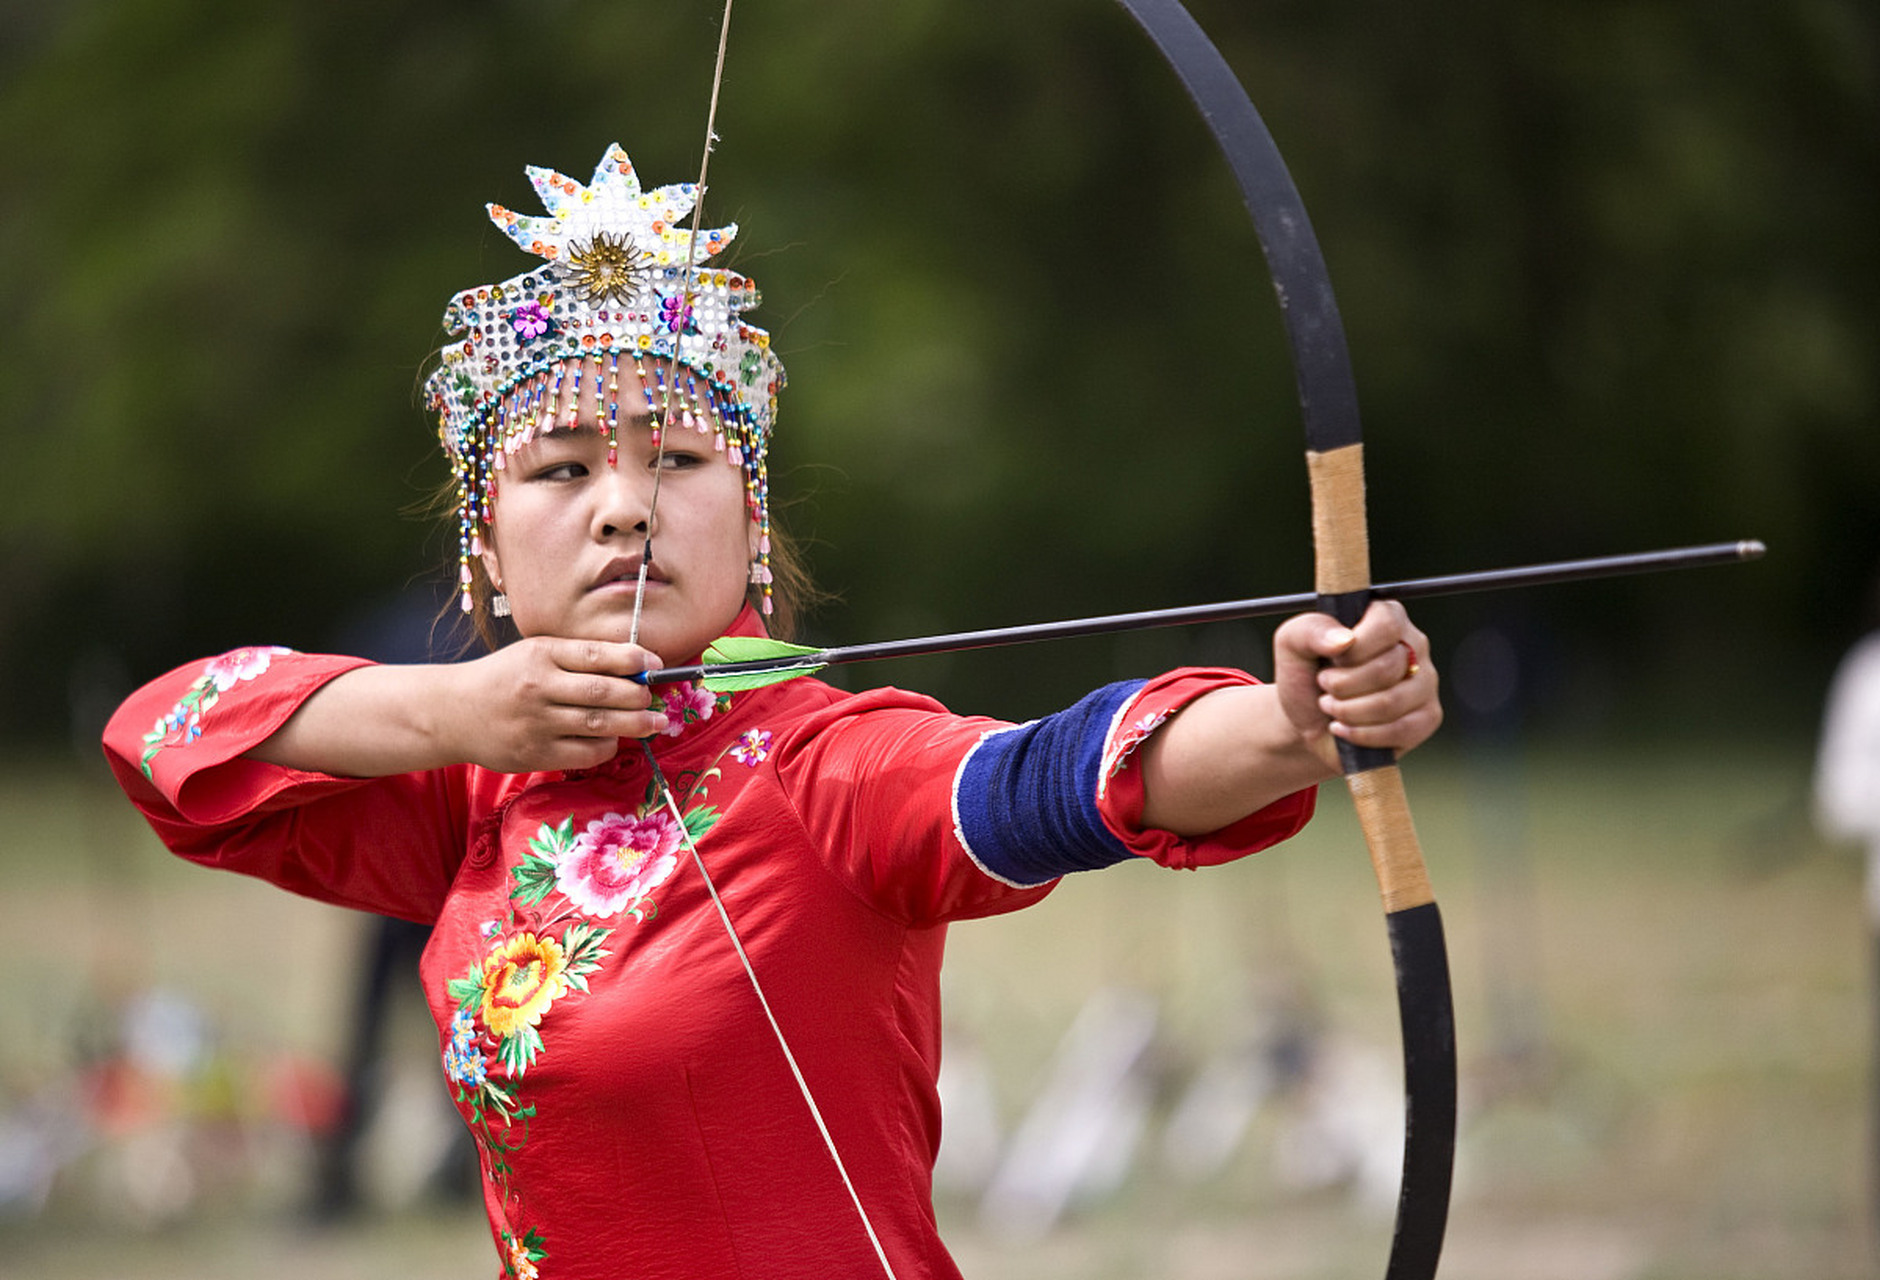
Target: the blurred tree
pixel 1608 271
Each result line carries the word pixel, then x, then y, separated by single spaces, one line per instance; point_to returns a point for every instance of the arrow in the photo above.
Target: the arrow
pixel 749 662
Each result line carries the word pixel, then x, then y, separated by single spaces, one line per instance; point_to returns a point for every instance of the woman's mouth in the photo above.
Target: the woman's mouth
pixel 625 575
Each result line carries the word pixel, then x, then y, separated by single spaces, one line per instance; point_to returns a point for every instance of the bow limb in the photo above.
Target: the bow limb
pixel 1335 464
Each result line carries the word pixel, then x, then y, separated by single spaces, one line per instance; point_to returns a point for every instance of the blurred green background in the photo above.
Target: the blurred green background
pixel 1609 273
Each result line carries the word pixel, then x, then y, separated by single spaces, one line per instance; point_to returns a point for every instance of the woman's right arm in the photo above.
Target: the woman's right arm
pixel 540 704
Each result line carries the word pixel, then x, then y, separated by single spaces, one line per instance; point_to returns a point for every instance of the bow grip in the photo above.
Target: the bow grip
pixel 1343 547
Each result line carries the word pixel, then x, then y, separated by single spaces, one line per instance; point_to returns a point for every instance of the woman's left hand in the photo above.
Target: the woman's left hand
pixel 1235 750
pixel 1372 685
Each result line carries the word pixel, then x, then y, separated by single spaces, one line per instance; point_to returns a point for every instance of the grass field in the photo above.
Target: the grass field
pixel 1661 982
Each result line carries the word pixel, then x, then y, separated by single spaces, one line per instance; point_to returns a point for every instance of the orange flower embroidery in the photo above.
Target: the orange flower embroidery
pixel 521 978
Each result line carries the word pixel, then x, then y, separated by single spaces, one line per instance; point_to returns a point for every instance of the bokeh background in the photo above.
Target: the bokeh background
pixel 1609 275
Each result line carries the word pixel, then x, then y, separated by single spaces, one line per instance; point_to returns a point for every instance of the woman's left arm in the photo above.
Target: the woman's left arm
pixel 1235 751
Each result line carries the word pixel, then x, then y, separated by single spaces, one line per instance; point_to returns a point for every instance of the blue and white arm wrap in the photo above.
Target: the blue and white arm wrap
pixel 1025 798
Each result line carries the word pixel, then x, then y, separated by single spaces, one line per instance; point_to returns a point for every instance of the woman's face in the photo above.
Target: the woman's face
pixel 567 530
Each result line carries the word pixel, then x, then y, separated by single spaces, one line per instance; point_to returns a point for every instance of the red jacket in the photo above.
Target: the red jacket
pixel 632 1109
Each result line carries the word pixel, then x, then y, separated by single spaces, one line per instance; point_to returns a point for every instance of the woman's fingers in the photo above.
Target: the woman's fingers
pixel 564 704
pixel 1408 697
pixel 601 658
pixel 595 696
pixel 1381 690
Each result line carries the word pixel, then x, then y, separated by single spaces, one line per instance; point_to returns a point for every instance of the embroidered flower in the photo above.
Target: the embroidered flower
pixel 521 978
pixel 686 704
pixel 219 675
pixel 618 860
pixel 752 747
pixel 463 1060
pixel 675 315
pixel 237 665
pixel 465 1066
pixel 520 1256
pixel 1125 744
pixel 530 321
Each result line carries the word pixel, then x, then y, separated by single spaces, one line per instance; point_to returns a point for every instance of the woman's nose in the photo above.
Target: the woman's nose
pixel 623 501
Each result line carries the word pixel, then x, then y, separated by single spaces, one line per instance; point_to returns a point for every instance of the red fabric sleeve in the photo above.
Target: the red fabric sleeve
pixel 871 779
pixel 388 845
pixel 1120 790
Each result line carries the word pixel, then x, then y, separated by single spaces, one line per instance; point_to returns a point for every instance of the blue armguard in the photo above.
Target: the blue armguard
pixel 1025 798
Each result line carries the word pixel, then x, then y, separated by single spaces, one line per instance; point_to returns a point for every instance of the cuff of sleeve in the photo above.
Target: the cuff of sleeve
pixel 1120 787
pixel 185 733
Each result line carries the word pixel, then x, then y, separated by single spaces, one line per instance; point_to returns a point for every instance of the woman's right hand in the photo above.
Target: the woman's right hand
pixel 546 703
pixel 541 703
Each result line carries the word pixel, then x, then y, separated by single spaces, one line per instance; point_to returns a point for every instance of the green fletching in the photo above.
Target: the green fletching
pixel 741 649
pixel 758 679
pixel 752 649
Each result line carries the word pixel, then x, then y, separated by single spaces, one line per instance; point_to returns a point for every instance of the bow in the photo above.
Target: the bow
pixel 1334 460
pixel 1335 465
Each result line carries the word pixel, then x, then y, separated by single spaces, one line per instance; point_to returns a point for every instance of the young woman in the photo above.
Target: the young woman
pixel 607 415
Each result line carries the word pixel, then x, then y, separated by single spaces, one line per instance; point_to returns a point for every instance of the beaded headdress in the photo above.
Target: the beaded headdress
pixel 617 284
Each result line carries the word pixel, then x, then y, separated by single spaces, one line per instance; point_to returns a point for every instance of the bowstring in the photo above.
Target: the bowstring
pixel 686 294
pixel 664 788
pixel 737 943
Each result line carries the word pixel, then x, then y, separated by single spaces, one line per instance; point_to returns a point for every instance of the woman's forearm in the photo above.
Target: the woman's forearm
pixel 1225 755
pixel 371 722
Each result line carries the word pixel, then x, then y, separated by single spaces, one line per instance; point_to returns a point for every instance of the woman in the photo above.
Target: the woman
pixel 634 1112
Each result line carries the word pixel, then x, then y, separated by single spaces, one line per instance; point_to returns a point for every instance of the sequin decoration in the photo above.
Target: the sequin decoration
pixel 607 268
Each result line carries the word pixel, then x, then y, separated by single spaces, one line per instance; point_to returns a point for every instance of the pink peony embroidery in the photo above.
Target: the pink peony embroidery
pixel 686 704
pixel 238 665
pixel 752 747
pixel 617 861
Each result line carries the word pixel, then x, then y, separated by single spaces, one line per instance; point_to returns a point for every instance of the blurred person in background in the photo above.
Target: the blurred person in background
pixel 686 945
pixel 1847 807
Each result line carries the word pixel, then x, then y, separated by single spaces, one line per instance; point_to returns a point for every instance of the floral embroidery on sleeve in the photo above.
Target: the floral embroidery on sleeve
pixel 1124 743
pixel 182 723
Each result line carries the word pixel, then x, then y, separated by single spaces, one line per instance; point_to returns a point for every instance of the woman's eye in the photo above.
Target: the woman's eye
pixel 562 471
pixel 680 459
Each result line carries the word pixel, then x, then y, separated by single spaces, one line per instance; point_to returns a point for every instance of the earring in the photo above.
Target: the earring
pixel 499 605
pixel 759 574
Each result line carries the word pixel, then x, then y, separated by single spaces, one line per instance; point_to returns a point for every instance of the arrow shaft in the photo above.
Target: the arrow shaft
pixel 1227 610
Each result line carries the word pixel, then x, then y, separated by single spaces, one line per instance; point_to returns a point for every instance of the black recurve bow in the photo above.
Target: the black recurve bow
pixel 1328 399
